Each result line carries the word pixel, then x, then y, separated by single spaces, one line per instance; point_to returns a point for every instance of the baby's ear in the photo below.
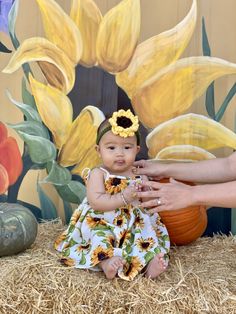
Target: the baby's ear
pixel 138 149
pixel 97 149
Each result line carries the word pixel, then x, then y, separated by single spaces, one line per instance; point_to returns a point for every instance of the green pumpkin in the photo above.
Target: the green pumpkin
pixel 18 228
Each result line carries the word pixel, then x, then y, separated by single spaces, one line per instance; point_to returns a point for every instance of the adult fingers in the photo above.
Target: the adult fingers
pixel 152 184
pixel 158 209
pixel 139 163
pixel 147 194
pixel 151 203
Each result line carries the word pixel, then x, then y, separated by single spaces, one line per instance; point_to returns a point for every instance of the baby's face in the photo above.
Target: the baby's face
pixel 118 153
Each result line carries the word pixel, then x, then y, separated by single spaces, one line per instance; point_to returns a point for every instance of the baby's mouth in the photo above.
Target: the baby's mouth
pixel 120 162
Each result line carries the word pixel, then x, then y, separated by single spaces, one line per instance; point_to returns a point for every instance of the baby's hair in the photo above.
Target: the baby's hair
pixel 105 123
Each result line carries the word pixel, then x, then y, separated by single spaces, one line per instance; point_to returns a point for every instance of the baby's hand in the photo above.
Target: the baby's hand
pixel 130 193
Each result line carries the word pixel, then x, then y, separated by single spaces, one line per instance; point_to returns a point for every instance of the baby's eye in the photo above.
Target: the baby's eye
pixel 111 147
pixel 127 147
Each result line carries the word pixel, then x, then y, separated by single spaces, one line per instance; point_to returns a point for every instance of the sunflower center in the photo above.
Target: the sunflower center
pixel 96 219
pixel 119 222
pixel 124 122
pixel 116 181
pixel 102 256
pixel 145 245
pixel 84 247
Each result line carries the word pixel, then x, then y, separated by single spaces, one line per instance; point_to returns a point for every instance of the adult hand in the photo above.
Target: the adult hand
pixel 167 196
pixel 149 168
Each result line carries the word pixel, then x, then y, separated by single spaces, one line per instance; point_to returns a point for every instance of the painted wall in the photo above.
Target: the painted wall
pixel 157 16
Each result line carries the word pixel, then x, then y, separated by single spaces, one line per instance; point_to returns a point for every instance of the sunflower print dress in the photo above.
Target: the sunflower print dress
pixel 128 232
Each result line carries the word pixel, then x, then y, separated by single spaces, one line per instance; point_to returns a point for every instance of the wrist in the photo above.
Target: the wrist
pixel 124 200
pixel 196 195
pixel 129 195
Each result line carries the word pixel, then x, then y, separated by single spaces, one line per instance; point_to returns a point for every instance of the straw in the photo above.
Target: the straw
pixel 201 278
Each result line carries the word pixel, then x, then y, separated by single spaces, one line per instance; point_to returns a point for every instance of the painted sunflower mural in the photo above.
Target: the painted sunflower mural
pixel 10 160
pixel 160 86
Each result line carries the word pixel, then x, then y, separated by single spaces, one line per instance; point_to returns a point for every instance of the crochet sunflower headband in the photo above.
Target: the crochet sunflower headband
pixel 122 123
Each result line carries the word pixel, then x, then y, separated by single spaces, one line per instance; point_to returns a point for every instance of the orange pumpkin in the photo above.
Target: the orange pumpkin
pixel 184 225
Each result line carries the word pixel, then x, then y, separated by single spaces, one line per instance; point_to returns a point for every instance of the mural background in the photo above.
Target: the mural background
pixel 157 16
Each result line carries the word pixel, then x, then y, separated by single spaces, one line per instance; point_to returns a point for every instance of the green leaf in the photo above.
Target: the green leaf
pixel 131 240
pixel 32 128
pixel 101 234
pixel 68 211
pixel 12 22
pixel 210 93
pixel 58 175
pixel 157 250
pixel 97 212
pixel 210 101
pixel 74 192
pixel 71 228
pixel 83 259
pixel 38 166
pixel 101 227
pixel 226 102
pixel 149 256
pixel 165 237
pixel 40 149
pixel 66 253
pixel 128 249
pixel 205 43
pixel 29 112
pixel 26 95
pixel 72 242
pixel 48 209
pixel 4 49
pixel 78 189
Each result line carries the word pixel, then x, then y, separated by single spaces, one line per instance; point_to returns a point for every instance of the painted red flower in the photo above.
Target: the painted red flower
pixel 10 160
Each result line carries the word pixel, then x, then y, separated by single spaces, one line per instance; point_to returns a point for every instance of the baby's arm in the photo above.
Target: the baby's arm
pixel 102 201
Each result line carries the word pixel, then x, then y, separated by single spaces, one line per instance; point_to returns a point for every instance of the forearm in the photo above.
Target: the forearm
pixel 105 202
pixel 221 194
pixel 207 171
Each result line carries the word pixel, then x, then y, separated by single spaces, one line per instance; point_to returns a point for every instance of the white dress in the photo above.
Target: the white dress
pixel 128 232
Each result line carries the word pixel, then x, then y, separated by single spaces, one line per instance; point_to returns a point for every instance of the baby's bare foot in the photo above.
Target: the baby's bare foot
pixel 111 265
pixel 156 266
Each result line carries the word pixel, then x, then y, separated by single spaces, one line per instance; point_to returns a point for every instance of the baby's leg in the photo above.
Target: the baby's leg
pixel 111 265
pixel 156 266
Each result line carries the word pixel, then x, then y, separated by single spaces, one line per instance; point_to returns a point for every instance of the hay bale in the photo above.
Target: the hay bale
pixel 201 278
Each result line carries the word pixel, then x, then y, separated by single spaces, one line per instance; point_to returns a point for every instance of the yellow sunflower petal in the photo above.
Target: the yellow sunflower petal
pixel 60 29
pixel 54 108
pixel 190 129
pixel 82 136
pixel 183 153
pixel 87 17
pixel 118 36
pixel 157 52
pixel 174 88
pixel 61 73
pixel 90 160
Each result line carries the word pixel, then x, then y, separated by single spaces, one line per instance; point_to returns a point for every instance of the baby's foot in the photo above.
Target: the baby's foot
pixel 156 266
pixel 111 265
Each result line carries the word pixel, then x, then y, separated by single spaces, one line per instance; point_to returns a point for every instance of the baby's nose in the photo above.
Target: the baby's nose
pixel 120 151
